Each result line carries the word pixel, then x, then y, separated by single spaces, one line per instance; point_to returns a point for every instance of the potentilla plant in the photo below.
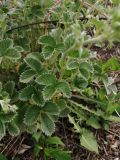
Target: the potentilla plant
pixel 56 73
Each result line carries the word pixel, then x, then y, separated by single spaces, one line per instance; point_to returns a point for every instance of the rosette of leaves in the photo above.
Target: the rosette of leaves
pixel 43 116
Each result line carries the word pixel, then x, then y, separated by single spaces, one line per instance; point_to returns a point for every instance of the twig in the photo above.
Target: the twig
pixel 30 24
pixel 7 145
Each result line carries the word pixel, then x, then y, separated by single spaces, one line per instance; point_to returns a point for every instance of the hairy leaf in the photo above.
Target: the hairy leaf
pixel 31 115
pixel 51 108
pixel 47 124
pixel 47 52
pixel 46 79
pixel 27 76
pixel 49 92
pixel 64 88
pixel 7 117
pixel 88 140
pixel 47 40
pixel 13 129
pixel 12 53
pixel 4 45
pixel 9 87
pixel 26 93
pixel 33 63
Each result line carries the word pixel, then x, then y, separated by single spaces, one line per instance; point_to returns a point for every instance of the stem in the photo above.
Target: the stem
pixel 88 99
pixel 84 108
pixel 99 38
pixel 30 24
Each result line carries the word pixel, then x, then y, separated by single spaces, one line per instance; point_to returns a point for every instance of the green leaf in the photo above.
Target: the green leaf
pixel 4 45
pixel 27 76
pixel 12 53
pixel 46 79
pixel 80 82
pixel 7 117
pixel 38 99
pixel 13 129
pixel 114 119
pixel 47 52
pixel 88 140
pixel 2 157
pixel 26 93
pixel 33 63
pixel 112 63
pixel 64 112
pixel 51 108
pixel 92 121
pixel 64 88
pixel 9 87
pixel 47 124
pixel 61 104
pixel 86 66
pixel 58 154
pixel 47 40
pixel 84 73
pixel 31 115
pixel 49 92
pixel 2 130
pixel 60 47
pixel 73 64
pixel 55 140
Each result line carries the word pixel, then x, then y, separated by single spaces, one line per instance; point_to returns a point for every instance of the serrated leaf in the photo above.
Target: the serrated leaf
pixel 47 124
pixel 26 93
pixel 9 87
pixel 49 92
pixel 47 40
pixel 46 79
pixel 19 48
pixel 7 117
pixel 12 53
pixel 2 130
pixel 86 65
pixel 88 140
pixel 27 76
pixel 47 52
pixel 4 45
pixel 51 108
pixel 73 64
pixel 80 82
pixel 32 115
pixel 61 104
pixel 60 47
pixel 64 112
pixel 64 88
pixel 33 63
pixel 84 73
pixel 13 129
pixel 38 99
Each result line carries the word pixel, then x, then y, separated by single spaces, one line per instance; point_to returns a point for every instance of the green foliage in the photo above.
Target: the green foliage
pixel 53 74
pixel 2 157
